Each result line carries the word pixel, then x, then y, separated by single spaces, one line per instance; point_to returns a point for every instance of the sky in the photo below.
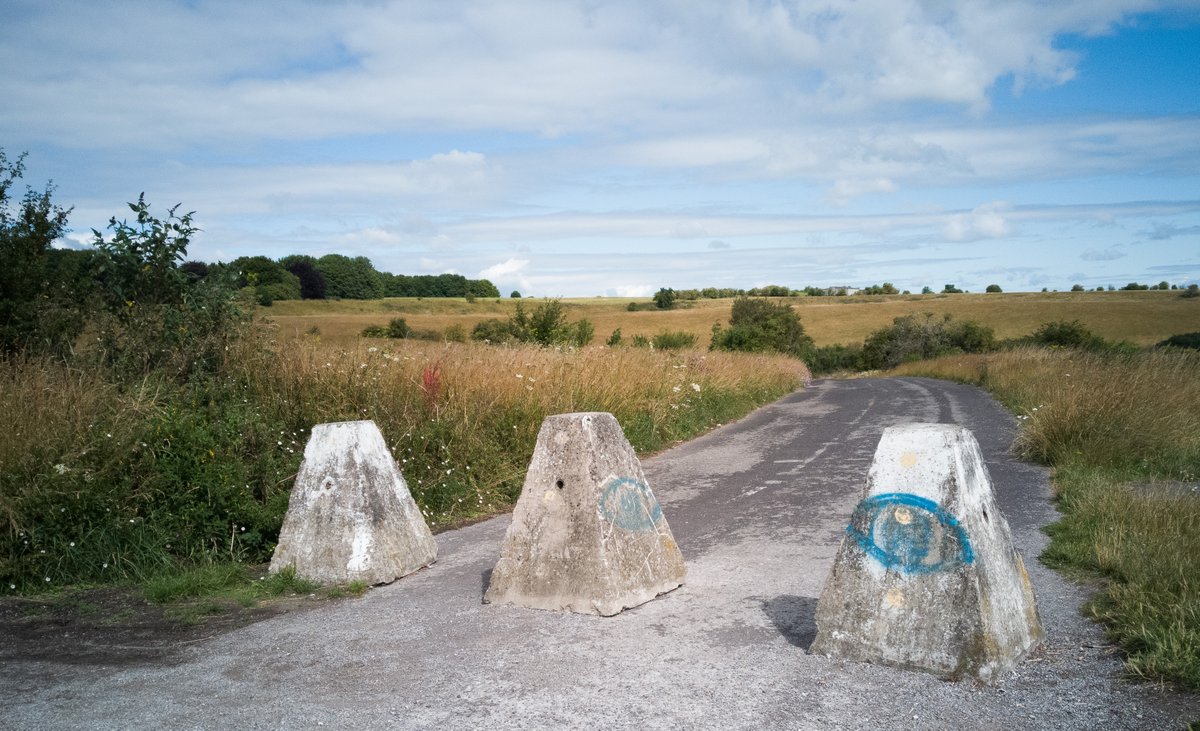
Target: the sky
pixel 582 148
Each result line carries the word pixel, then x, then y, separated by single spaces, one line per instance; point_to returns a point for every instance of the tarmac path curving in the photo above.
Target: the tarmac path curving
pixel 758 508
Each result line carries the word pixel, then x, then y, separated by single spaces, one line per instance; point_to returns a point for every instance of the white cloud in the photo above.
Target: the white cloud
pixel 845 190
pixel 988 221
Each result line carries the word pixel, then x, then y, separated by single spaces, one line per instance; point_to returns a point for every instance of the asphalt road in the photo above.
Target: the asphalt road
pixel 758 509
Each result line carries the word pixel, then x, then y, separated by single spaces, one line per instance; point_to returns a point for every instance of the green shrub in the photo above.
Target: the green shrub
pixel 918 337
pixel 493 330
pixel 759 325
pixel 1065 334
pixel 1185 340
pixel 673 340
pixel 1192 290
pixel 456 333
pixel 640 341
pixel 41 306
pixel 664 299
pixel 398 328
pixel 614 339
pixel 831 358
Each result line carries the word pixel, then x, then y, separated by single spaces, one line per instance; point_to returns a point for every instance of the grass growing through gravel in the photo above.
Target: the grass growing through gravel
pixel 1122 433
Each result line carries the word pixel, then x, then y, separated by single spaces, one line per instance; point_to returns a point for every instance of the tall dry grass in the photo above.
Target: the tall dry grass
pixel 105 480
pixel 1123 435
pixel 463 418
pixel 1139 410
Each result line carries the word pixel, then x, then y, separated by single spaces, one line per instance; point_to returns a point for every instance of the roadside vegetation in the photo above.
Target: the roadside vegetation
pixel 1121 429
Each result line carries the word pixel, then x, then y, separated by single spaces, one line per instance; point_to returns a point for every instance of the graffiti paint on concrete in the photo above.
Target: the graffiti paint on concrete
pixel 909 534
pixel 630 505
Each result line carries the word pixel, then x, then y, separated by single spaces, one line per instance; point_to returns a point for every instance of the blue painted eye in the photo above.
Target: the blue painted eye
pixel 630 505
pixel 909 534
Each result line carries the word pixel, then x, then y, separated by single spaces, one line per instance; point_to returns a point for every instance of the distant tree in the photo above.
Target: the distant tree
pixel 1134 286
pixel 951 289
pixel 1192 290
pixel 312 283
pixel 926 290
pixel 993 288
pixel 347 278
pixel 664 299
pixel 515 295
pixel 1164 285
pixel 269 279
pixel 1076 287
pixel 885 288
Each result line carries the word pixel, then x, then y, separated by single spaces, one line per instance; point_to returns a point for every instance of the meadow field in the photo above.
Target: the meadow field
pixel 1141 317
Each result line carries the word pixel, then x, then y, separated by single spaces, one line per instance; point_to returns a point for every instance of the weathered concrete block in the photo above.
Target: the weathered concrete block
pixel 587 533
pixel 350 515
pixel 927 577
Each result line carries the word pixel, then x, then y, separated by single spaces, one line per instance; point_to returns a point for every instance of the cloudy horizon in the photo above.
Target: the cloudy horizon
pixel 612 148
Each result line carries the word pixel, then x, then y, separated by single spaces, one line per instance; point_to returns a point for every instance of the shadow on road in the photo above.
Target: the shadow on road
pixel 795 617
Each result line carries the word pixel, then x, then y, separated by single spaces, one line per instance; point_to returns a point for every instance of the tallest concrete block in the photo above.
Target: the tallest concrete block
pixel 587 533
pixel 927 577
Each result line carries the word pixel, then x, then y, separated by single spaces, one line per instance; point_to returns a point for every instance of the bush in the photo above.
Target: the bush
pixel 993 288
pixel 914 337
pixel 673 340
pixel 664 299
pixel 40 310
pixel 547 325
pixel 456 333
pixel 614 339
pixel 1065 334
pixel 398 328
pixel 1185 340
pixel 1192 290
pixel 493 330
pixel 640 341
pixel 831 358
pixel 156 317
pixel 759 325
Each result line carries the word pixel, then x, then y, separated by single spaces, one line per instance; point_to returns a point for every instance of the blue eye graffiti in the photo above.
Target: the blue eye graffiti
pixel 630 505
pixel 909 534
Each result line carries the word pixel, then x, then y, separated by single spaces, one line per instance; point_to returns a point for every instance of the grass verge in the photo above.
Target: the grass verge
pixel 1122 433
pixel 104 482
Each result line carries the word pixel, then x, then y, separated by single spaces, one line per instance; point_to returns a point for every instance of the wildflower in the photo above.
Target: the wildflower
pixel 675 389
pixel 60 469
pixel 696 387
pixel 520 376
pixel 47 579
pixel 72 544
pixel 104 566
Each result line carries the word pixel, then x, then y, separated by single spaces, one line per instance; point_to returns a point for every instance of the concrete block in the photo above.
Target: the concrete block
pixel 350 516
pixel 927 577
pixel 587 533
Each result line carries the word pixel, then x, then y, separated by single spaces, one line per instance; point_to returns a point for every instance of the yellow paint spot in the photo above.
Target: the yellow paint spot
pixel 903 515
pixel 894 598
pixel 908 459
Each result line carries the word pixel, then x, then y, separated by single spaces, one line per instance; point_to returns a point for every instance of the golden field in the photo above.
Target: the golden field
pixel 1142 317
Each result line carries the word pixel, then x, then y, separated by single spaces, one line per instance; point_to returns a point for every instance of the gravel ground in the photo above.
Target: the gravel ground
pixel 758 509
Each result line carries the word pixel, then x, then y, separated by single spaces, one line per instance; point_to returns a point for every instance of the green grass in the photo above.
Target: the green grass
pixel 1122 432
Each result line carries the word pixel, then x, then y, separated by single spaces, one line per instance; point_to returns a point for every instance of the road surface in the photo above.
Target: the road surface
pixel 758 508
